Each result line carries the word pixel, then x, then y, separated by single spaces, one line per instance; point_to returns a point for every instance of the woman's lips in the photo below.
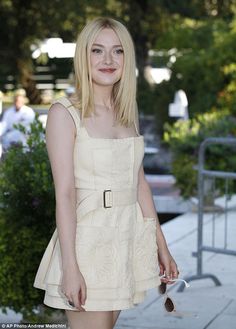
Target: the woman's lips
pixel 107 70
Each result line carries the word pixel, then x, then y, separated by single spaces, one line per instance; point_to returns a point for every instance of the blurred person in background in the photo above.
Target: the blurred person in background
pixel 19 113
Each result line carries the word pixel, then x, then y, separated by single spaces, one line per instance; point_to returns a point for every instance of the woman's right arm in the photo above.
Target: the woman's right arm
pixel 60 139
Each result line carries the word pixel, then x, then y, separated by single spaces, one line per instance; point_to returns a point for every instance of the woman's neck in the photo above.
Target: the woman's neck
pixel 102 95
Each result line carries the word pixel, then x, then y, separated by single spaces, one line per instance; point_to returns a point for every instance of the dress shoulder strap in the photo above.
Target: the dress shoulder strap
pixel 70 107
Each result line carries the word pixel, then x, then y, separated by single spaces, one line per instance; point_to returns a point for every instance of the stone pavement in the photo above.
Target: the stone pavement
pixel 203 305
pixel 167 196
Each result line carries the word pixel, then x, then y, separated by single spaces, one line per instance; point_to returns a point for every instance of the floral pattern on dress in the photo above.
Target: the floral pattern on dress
pixel 97 255
pixel 145 246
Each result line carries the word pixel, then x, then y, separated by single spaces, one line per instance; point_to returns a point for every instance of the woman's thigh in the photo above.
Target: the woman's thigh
pixel 90 320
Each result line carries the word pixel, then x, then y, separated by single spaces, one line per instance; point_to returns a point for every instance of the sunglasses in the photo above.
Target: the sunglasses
pixel 169 304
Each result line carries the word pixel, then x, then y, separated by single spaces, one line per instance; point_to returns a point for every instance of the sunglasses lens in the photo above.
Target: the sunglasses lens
pixel 162 288
pixel 169 305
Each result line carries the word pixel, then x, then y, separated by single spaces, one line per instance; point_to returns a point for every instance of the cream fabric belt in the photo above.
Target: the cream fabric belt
pixel 89 200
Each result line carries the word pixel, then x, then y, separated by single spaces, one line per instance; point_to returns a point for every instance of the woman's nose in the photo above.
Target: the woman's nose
pixel 107 58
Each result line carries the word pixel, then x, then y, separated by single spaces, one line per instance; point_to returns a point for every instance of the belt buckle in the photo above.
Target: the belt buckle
pixel 105 199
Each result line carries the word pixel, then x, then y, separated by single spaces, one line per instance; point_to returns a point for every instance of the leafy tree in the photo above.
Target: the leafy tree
pixel 196 32
pixel 202 64
pixel 24 23
pixel 198 10
pixel 183 25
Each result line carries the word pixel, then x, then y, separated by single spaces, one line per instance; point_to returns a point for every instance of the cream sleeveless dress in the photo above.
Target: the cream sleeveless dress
pixel 115 244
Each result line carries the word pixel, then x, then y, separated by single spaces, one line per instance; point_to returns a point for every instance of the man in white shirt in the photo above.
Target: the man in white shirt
pixel 19 113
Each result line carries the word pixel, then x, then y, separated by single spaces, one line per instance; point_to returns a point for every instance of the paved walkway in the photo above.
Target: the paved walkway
pixel 203 305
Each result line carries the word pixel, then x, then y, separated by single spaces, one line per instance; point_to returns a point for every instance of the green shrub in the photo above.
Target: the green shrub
pixel 227 97
pixel 184 139
pixel 26 220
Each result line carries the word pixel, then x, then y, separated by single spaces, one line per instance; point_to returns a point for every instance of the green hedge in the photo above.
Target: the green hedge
pixel 27 220
pixel 184 139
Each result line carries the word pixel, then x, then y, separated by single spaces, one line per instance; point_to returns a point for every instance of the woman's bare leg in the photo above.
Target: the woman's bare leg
pixel 90 320
pixel 115 317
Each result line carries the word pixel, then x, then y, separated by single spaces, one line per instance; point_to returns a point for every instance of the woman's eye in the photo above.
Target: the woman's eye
pixel 96 51
pixel 119 51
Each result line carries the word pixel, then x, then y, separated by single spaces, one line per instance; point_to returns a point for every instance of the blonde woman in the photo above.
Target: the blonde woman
pixel 108 248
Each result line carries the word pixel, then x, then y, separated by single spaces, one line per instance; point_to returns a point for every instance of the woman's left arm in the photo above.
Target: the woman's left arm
pixel 145 199
pixel 167 264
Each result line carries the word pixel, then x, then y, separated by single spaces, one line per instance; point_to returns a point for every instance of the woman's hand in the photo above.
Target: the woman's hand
pixel 74 287
pixel 168 266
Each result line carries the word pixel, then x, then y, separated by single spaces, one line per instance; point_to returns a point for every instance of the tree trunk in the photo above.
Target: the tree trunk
pixel 137 17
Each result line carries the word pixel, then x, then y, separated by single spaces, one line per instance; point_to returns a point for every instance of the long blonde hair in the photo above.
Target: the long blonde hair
pixel 124 91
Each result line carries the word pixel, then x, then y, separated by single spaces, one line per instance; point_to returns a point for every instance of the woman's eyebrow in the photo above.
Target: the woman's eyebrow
pixel 102 46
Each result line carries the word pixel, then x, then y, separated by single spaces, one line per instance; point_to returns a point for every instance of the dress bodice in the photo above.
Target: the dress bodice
pixel 107 163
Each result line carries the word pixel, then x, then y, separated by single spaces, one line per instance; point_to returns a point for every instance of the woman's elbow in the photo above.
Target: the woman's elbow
pixel 65 194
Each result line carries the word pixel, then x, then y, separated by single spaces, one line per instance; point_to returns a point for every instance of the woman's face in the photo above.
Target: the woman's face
pixel 106 58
